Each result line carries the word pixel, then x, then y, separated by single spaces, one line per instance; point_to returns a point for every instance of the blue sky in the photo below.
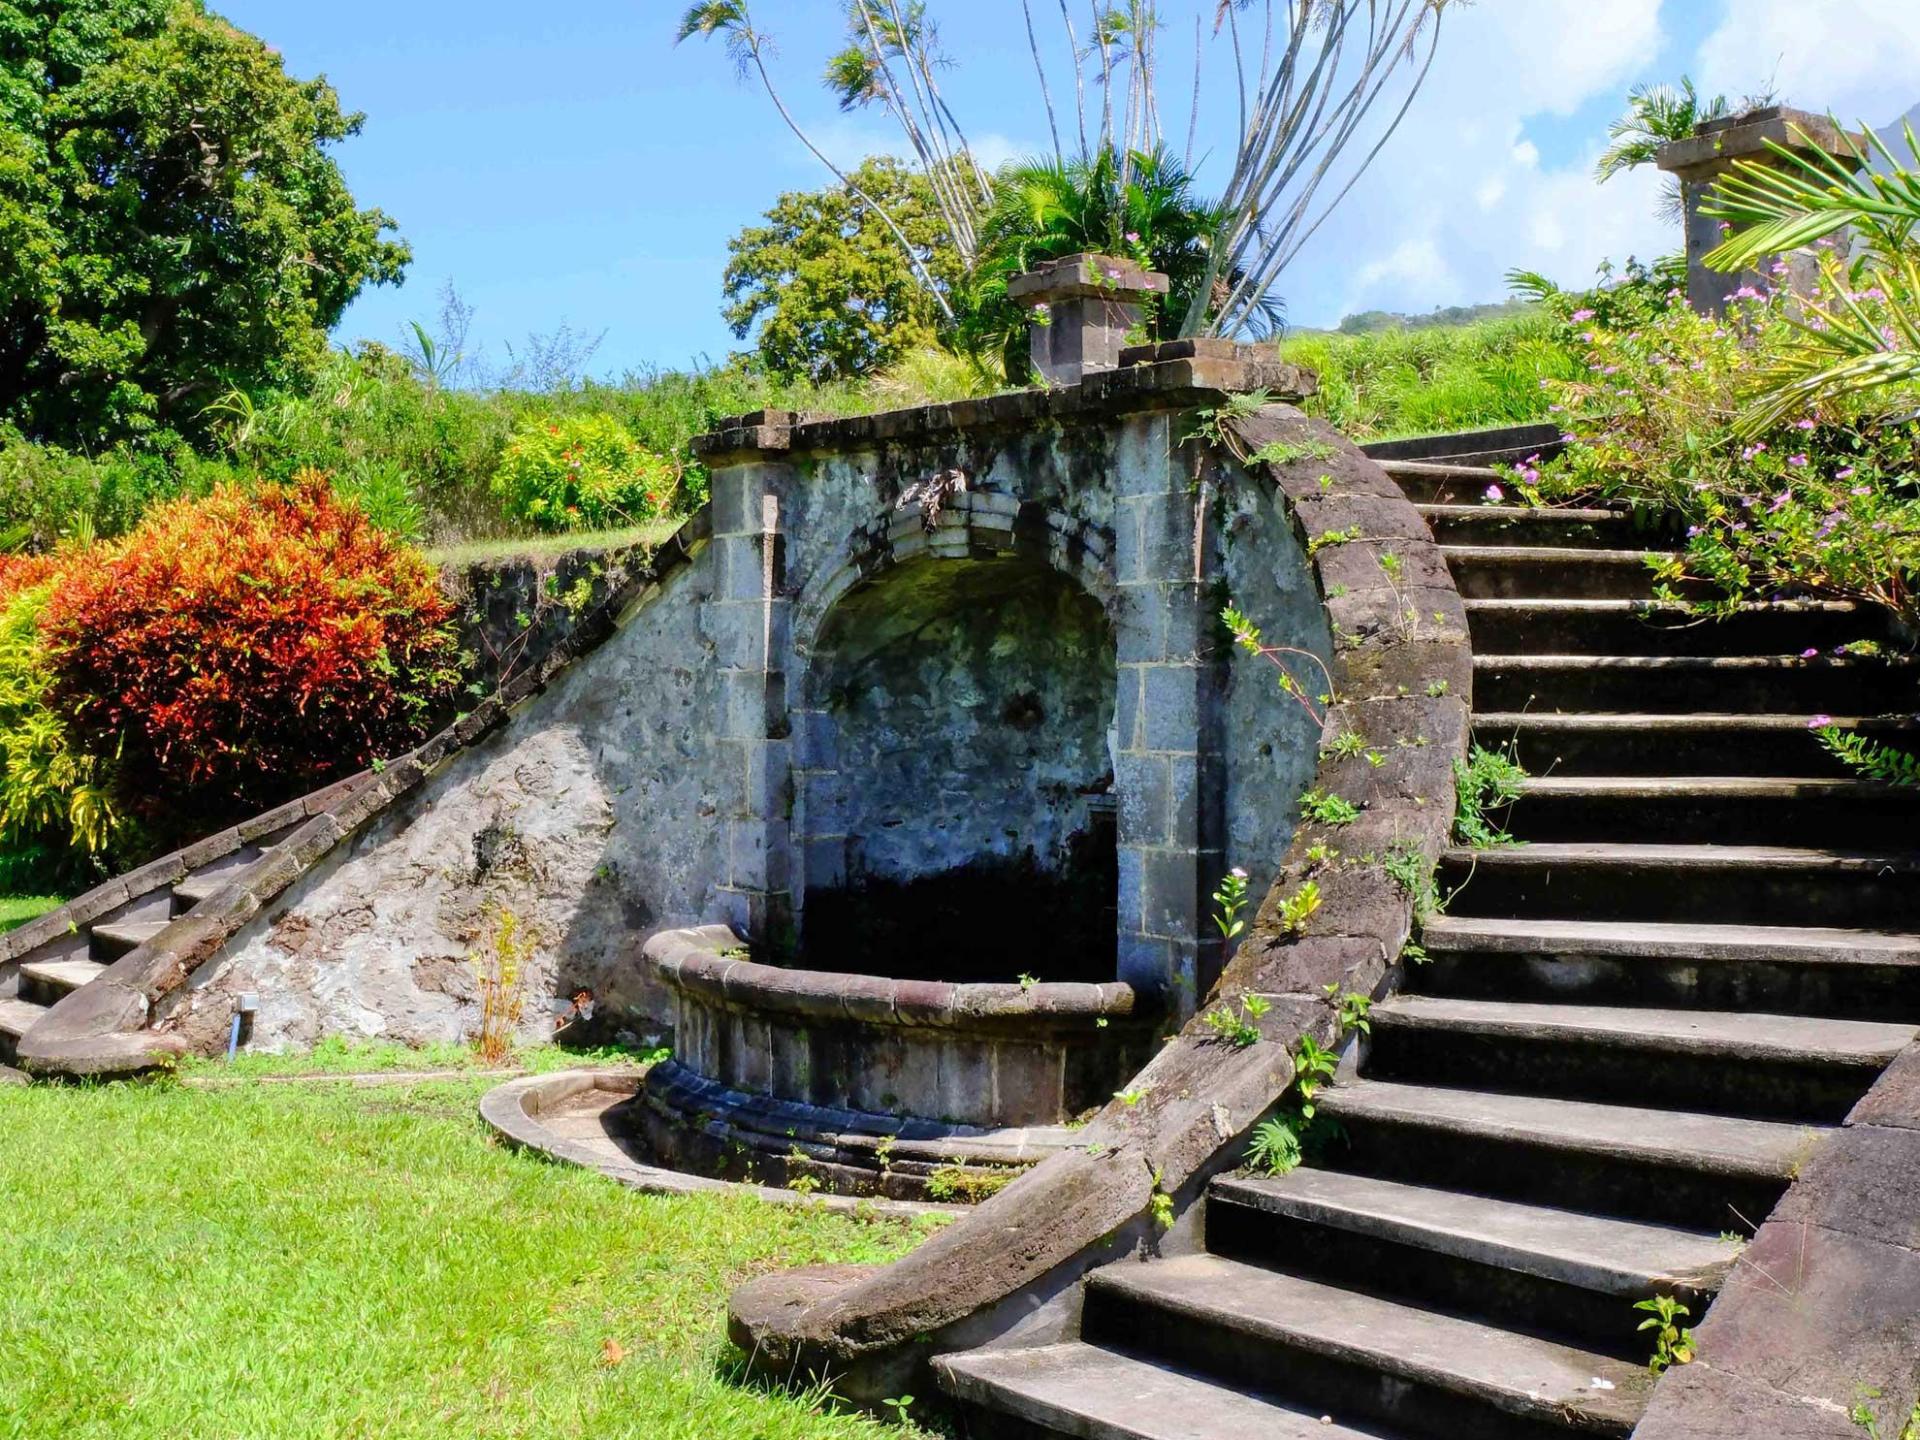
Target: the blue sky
pixel 565 163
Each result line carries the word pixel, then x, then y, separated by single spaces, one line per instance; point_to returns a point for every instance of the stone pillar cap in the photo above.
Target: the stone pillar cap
pixel 1717 144
pixel 1086 276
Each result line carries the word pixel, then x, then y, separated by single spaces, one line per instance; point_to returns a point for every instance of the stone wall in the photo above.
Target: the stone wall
pixel 592 818
pixel 688 770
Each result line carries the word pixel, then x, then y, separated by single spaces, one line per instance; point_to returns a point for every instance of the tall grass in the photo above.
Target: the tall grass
pixel 1435 379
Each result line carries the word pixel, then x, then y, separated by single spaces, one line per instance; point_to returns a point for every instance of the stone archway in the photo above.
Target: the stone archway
pixel 955 811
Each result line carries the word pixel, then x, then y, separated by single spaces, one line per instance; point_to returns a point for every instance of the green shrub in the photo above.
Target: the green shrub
pixel 1822 503
pixel 578 472
pixel 58 819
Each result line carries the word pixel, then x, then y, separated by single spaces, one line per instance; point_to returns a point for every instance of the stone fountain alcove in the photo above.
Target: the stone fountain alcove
pixel 987 750
pixel 954 777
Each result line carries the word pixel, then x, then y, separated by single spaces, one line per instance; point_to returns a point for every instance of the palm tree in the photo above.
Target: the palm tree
pixel 1861 331
pixel 1657 115
pixel 1143 206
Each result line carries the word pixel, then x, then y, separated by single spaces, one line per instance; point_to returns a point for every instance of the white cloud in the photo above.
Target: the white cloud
pixel 1859 58
pixel 1463 193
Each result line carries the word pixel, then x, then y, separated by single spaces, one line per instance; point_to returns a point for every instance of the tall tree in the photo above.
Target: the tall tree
pixel 1308 76
pixel 171 221
pixel 828 286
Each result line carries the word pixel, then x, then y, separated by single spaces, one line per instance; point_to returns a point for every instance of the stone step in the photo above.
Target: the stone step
pixel 1857 974
pixel 17 1016
pixel 1562 1273
pixel 1354 1354
pixel 1710 884
pixel 1696 744
pixel 1703 808
pixel 1091 1393
pixel 1492 524
pixel 47 982
pixel 1512 572
pixel 1671 1167
pixel 1768 684
pixel 113 940
pixel 1647 627
pixel 1427 482
pixel 210 880
pixel 1781 1067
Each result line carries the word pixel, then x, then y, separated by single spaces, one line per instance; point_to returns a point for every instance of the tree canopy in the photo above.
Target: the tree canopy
pixel 832 291
pixel 172 223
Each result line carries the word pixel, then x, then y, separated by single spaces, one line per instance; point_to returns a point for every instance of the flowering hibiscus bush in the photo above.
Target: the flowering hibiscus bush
pixel 1826 501
pixel 583 472
pixel 242 649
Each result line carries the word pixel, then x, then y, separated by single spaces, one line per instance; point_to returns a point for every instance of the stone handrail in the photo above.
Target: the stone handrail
pixel 695 961
pixel 1402 671
pixel 101 1029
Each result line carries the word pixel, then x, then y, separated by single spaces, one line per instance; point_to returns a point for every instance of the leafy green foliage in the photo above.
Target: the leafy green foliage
pixel 1672 1343
pixel 172 218
pixel 1413 872
pixel 1044 209
pixel 1485 780
pixel 1323 809
pixel 1657 115
pixel 825 280
pixel 1871 758
pixel 58 814
pixel 1239 1026
pixel 1275 1148
pixel 582 472
pixel 1300 907
pixel 1860 331
pixel 1821 504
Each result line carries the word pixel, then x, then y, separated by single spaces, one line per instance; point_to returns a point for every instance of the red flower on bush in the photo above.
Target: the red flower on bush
pixel 237 651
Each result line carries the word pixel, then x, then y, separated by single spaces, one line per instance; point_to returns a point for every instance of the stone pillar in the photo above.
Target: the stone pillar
pixel 1085 308
pixel 1169 846
pixel 1711 152
pixel 747 621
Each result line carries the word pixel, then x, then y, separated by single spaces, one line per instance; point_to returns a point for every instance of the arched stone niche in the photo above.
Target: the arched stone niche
pixel 956 759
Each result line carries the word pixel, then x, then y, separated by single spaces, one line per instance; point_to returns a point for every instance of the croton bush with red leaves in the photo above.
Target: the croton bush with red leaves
pixel 242 649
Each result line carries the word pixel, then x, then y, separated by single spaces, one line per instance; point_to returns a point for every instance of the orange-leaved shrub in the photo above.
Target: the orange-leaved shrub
pixel 239 650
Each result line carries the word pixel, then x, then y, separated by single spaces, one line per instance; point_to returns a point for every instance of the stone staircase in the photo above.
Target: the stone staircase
pixel 37 979
pixel 1633 1031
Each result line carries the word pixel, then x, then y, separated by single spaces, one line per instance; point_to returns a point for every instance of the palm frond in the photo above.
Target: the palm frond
pixel 1774 210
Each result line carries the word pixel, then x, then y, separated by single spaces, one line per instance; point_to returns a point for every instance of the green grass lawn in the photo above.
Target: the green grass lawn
pixel 318 1260
pixel 16 910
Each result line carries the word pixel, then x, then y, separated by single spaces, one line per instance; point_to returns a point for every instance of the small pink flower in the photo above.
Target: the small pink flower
pixel 1845 472
pixel 1812 653
pixel 1796 460
pixel 1819 722
pixel 1579 316
pixel 1861 490
pixel 1133 238
pixel 1804 423
pixel 1236 872
pixel 1495 494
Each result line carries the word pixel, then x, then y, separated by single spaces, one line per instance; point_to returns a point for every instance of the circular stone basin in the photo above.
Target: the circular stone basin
pixel 987 1056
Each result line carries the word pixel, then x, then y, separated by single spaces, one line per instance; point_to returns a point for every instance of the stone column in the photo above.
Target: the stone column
pixel 1085 307
pixel 747 621
pixel 1169 846
pixel 1712 151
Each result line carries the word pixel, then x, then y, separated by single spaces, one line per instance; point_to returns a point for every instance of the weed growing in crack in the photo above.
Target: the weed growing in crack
pixel 1672 1342
pixel 1485 780
pixel 1321 808
pixel 1240 1027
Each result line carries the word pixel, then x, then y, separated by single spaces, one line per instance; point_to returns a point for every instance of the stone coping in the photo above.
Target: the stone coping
pixel 100 1030
pixel 514 1111
pixel 1176 375
pixel 1087 276
pixel 1719 144
pixel 696 963
pixel 1402 672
